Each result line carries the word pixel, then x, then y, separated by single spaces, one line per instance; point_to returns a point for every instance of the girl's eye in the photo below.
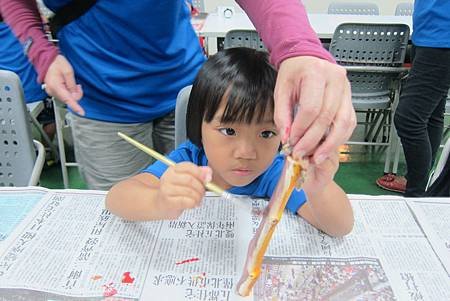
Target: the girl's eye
pixel 228 131
pixel 268 134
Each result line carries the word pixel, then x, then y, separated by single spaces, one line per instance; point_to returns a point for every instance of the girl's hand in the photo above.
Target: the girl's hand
pixel 182 187
pixel 320 175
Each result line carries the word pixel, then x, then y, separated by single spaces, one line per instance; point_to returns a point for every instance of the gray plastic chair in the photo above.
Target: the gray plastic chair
pixel 199 4
pixel 353 8
pixel 244 38
pixel 404 9
pixel 19 164
pixel 180 115
pixel 373 55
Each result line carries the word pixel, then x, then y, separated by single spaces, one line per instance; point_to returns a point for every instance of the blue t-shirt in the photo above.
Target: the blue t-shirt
pixel 12 58
pixel 131 57
pixel 431 23
pixel 261 187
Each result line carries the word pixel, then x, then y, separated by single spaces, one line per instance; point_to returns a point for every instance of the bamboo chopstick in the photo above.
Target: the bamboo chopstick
pixel 210 186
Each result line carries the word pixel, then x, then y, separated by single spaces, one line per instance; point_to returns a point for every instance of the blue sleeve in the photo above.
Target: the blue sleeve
pixel 181 154
pixel 296 200
pixel 271 177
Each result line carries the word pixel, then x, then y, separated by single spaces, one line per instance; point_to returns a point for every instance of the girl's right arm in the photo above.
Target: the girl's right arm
pixel 145 197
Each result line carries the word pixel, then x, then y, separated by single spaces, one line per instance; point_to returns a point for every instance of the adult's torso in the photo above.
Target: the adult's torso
pixel 431 23
pixel 12 58
pixel 131 57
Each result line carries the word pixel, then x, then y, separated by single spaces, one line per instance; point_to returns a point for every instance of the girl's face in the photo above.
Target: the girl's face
pixel 238 152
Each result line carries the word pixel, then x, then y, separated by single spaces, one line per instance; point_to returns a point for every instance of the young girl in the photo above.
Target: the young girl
pixel 233 142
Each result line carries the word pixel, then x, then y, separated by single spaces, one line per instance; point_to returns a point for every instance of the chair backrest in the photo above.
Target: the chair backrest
pixel 353 8
pixel 17 151
pixel 367 44
pixel 370 44
pixel 180 115
pixel 244 38
pixel 404 9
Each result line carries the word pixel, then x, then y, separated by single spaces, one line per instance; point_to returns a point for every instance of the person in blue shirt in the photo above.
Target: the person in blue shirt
pixel 232 141
pixel 119 66
pixel 419 117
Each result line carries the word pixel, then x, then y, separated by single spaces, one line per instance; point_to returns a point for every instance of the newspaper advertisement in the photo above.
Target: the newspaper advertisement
pixel 72 248
pixel 69 247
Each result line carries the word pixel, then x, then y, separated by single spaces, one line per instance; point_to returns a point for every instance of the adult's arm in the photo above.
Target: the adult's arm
pixel 52 68
pixel 284 27
pixel 24 19
pixel 307 78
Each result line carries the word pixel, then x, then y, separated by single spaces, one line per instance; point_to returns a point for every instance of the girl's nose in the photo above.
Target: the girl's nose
pixel 246 149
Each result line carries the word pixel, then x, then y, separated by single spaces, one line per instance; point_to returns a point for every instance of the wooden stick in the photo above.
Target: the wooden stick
pixel 210 186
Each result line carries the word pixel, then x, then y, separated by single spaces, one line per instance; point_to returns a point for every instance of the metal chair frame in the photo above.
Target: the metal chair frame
pixel 62 123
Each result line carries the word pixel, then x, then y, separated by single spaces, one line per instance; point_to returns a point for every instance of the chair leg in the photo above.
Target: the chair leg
pixel 62 152
pixel 396 157
pixel 394 140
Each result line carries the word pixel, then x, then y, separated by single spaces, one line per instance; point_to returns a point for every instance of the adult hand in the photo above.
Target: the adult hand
pixel 325 117
pixel 60 83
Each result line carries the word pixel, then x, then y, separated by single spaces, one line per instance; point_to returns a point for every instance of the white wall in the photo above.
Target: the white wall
pixel 317 6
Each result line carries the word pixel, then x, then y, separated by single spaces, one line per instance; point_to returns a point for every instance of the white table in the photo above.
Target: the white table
pixel 324 25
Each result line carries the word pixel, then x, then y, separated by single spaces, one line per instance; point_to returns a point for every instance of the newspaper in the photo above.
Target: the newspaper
pixel 68 247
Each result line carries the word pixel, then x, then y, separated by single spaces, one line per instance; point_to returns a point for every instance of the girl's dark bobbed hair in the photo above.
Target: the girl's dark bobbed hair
pixel 241 76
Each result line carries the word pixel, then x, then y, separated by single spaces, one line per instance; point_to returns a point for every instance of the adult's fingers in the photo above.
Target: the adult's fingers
pixel 319 125
pixel 60 82
pixel 310 105
pixel 284 100
pixel 341 130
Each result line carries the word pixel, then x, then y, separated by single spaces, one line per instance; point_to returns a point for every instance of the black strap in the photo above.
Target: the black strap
pixel 68 13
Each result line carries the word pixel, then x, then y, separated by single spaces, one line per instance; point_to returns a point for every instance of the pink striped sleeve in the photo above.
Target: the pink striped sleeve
pixel 23 18
pixel 284 27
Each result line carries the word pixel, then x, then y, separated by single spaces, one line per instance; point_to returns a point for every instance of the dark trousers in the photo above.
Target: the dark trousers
pixel 419 117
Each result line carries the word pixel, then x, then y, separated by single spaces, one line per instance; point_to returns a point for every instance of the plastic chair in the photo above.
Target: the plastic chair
pixel 404 9
pixel 353 8
pixel 180 115
pixel 19 164
pixel 373 55
pixel 199 4
pixel 244 38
